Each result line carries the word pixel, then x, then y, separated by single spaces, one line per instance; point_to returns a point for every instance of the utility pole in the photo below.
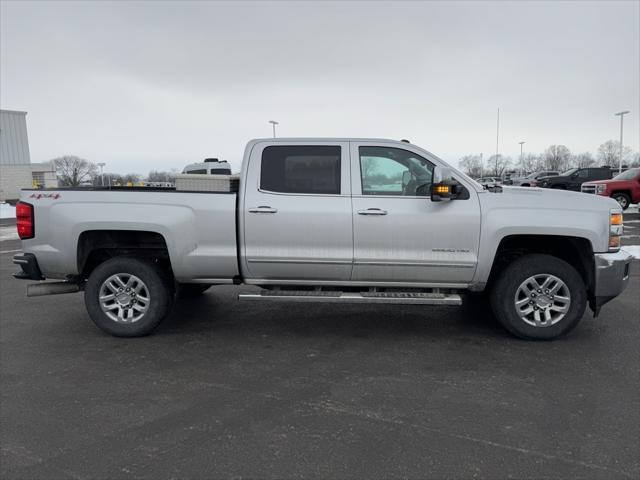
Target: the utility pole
pixel 521 159
pixel 273 123
pixel 102 164
pixel 621 114
pixel 497 139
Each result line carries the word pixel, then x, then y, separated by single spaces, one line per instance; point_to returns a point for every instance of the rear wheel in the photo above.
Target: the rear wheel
pixel 539 297
pixel 623 199
pixel 127 297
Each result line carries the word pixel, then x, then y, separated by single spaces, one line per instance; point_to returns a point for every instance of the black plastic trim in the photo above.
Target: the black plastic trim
pixel 29 265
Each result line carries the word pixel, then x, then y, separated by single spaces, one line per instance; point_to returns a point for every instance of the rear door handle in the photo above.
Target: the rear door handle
pixel 263 209
pixel 372 211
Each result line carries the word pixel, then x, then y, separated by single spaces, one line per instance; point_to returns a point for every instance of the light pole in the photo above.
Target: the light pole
pixel 497 139
pixel 273 123
pixel 621 114
pixel 102 164
pixel 521 159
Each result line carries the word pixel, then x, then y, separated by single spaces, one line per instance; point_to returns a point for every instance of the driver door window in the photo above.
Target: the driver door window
pixel 393 171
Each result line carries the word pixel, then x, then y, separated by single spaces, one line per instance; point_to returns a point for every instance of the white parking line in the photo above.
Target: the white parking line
pixel 10 251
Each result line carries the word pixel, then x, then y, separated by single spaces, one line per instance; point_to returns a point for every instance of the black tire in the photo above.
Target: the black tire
pixel 192 290
pixel 503 296
pixel 623 199
pixel 156 285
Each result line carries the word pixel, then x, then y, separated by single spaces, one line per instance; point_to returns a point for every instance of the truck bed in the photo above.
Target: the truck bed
pixel 199 228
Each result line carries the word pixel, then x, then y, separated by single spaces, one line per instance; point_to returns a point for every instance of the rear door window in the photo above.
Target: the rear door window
pixel 301 169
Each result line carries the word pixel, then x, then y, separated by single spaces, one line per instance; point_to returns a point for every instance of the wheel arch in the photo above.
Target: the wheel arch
pixel 626 191
pixel 576 251
pixel 96 246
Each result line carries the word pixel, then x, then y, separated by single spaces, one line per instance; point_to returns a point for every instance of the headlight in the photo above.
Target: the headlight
pixel 601 188
pixel 615 230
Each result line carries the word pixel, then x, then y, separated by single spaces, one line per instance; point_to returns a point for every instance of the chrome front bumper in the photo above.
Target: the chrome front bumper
pixel 611 275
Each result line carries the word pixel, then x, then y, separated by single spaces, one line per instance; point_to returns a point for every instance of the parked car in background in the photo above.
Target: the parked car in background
pixel 532 179
pixel 486 181
pixel 210 166
pixel 572 179
pixel 507 178
pixel 624 188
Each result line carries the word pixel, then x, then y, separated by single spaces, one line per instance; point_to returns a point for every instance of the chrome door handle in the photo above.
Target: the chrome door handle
pixel 263 209
pixel 372 211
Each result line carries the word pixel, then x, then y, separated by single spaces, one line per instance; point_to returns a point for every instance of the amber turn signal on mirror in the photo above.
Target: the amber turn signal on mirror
pixel 442 189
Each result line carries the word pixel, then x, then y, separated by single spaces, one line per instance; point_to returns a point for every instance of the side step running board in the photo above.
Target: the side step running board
pixel 406 298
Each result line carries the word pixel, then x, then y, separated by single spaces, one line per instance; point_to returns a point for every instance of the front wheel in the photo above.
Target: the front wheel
pixel 539 297
pixel 127 297
pixel 623 200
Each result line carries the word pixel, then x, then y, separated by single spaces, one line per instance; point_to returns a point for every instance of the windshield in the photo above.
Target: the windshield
pixel 628 175
pixel 569 172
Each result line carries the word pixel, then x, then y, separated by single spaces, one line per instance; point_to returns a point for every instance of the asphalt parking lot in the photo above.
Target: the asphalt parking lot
pixel 229 389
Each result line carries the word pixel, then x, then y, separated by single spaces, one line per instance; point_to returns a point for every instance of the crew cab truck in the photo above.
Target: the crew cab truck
pixel 328 220
pixel 623 188
pixel 572 179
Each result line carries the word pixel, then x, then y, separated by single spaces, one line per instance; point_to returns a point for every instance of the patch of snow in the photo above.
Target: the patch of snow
pixel 633 250
pixel 7 211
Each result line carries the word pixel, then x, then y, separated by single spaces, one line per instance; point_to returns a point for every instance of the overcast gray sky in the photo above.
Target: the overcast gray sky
pixel 145 85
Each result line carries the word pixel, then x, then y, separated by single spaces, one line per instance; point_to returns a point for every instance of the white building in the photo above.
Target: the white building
pixel 16 169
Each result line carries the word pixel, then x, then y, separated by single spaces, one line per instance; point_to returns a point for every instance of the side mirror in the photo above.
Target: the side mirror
pixel 444 186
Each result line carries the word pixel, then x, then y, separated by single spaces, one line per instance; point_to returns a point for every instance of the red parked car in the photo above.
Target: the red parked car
pixel 625 188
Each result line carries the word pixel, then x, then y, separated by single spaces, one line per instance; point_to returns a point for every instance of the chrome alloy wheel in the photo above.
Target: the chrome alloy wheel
pixel 124 298
pixel 542 300
pixel 622 201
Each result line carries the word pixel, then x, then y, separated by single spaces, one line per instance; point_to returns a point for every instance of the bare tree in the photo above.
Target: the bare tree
pixel 609 154
pixel 583 160
pixel 532 162
pixel 472 165
pixel 131 178
pixel 635 162
pixel 497 164
pixel 161 176
pixel 370 166
pixel 73 171
pixel 557 157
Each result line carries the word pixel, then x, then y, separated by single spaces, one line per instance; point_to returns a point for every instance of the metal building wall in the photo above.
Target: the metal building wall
pixel 14 144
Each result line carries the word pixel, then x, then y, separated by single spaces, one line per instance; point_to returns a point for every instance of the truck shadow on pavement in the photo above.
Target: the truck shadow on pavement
pixel 218 311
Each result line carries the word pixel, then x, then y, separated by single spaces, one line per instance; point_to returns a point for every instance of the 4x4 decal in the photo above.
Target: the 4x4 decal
pixel 38 196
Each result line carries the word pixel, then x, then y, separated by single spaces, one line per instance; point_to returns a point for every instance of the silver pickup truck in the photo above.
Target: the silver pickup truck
pixel 328 220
